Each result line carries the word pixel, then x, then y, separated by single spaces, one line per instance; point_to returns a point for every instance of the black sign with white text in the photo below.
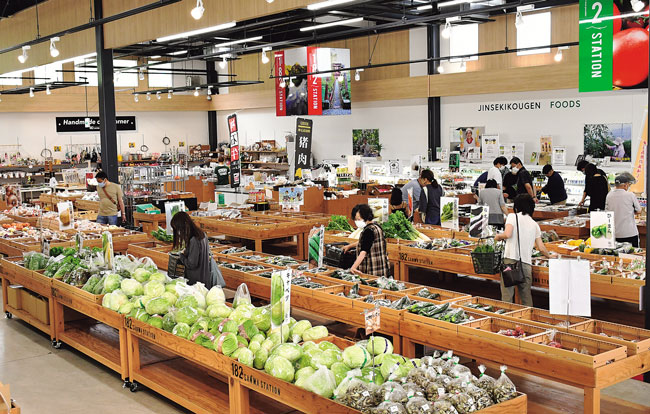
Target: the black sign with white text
pixel 235 163
pixel 304 129
pixel 79 124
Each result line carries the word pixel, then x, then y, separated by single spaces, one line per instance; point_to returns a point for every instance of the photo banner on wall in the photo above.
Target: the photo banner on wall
pixel 608 140
pixel 235 163
pixel 613 49
pixel 304 132
pixel 297 93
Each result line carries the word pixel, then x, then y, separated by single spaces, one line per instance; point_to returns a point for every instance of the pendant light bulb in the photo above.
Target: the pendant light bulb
pixel 54 52
pixel 270 1
pixel 148 96
pixel 47 90
pixel 446 31
pixel 441 69
pixel 224 62
pixel 209 90
pixel 158 95
pixel 23 57
pixel 519 19
pixel 357 76
pixel 169 94
pixel 291 84
pixel 341 78
pixel 31 92
pixel 197 12
pixel 141 74
pixel 135 97
pixel 637 5
pixel 283 84
pixel 265 58
pixel 196 91
pixel 558 56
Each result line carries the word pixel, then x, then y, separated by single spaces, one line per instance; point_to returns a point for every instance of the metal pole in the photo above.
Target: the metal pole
pixel 213 76
pixel 106 95
pixel 433 103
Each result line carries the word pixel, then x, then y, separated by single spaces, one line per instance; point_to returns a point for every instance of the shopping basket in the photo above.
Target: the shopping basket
pixel 487 263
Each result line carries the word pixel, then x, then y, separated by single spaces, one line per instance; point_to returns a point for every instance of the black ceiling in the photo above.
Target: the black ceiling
pixel 10 7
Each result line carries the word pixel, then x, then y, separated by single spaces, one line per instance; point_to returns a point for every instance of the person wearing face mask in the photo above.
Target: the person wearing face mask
pixel 624 204
pixel 524 180
pixel 494 173
pixel 372 258
pixel 596 188
pixel 110 200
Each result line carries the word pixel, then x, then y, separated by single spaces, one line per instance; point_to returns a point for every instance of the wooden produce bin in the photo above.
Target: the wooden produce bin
pixel 157 251
pixel 5 394
pixel 636 340
pixel 507 308
pixel 37 308
pixel 590 352
pixel 544 319
pixel 571 232
pixel 33 221
pixel 88 205
pixel 149 222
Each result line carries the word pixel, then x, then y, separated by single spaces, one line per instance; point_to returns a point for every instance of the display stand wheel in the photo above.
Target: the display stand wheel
pixel 56 344
pixel 134 386
pixel 8 315
pixel 126 383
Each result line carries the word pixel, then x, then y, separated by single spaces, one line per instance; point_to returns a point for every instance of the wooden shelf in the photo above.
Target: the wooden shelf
pixel 27 317
pixel 95 339
pixel 266 152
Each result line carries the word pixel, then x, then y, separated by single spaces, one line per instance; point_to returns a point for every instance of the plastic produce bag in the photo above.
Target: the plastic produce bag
pixel 486 382
pixel 459 370
pixel 504 388
pixel 413 390
pixel 389 407
pixel 242 296
pixel 392 391
pixel 443 404
pixel 322 382
pixel 457 385
pixel 463 402
pixel 480 396
pixel 419 405
pixel 419 376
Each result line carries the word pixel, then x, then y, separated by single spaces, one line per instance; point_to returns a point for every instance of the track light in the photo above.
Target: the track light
pixel 446 32
pixel 169 94
pixel 209 97
pixel 637 5
pixel 23 58
pixel 54 52
pixel 135 97
pixel 326 4
pixel 197 12
pixel 31 92
pixel 519 19
pixel 332 24
pixel 47 90
pixel 265 56
pixel 558 56
pixel 283 84
pixel 357 76
pixel 341 77
pixel 196 91
pixel 196 32
pixel 224 62
pixel 158 95
pixel 141 74
pixel 291 84
pixel 440 68
pixel 209 90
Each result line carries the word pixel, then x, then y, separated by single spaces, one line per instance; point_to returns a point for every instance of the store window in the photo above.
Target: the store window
pixel 6 79
pixel 463 41
pixel 127 78
pixel 161 80
pixel 48 73
pixel 536 31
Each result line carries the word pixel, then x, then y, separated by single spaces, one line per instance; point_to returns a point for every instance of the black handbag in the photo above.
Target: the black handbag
pixel 513 273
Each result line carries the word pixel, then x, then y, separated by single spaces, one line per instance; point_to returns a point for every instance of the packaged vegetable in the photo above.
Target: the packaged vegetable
pixel 486 382
pixel 322 382
pixel 356 357
pixel 419 405
pixel 463 402
pixel 315 333
pixel 418 376
pixel 242 296
pixel 392 391
pixel 504 389
pixel 379 345
pixel 358 394
pixel 413 390
pixel 389 407
pixel 443 404
pixel 481 397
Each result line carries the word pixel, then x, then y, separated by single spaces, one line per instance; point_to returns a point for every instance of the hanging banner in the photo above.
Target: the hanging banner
pixel 235 164
pixel 613 50
pixel 641 161
pixel 314 83
pixel 280 92
pixel 304 129
pixel 545 150
pixel 171 208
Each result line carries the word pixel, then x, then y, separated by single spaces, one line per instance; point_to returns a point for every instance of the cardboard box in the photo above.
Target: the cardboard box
pixel 28 301
pixel 14 297
pixel 42 310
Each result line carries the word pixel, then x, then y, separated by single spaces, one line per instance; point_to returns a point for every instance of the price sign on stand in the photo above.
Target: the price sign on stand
pixel 602 229
pixel 280 298
pixel 321 243
pixel 569 287
pixel 373 319
pixel 449 212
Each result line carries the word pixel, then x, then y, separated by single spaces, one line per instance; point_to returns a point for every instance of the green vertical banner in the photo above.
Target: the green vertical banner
pixel 596 45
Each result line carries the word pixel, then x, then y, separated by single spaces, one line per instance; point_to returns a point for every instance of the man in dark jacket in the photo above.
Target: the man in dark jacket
pixel 555 186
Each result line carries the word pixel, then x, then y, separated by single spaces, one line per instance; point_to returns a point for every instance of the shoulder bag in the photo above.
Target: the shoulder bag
pixel 107 195
pixel 513 273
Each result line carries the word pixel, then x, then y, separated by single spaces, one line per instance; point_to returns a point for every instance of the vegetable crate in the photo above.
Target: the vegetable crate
pixel 544 319
pixel 486 259
pixel 576 348
pixel 490 327
pixel 636 340
pixel 74 291
pixel 445 295
pixel 491 307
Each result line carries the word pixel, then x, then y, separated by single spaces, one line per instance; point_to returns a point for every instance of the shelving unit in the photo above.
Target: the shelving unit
pixel 271 160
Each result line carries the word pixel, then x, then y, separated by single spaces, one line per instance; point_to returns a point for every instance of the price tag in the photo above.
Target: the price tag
pixel 181 143
pixel 57 148
pixel 373 320
pixel 131 144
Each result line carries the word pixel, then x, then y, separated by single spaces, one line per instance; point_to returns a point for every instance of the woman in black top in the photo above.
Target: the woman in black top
pixel 196 254
pixel 372 257
pixel 397 203
pixel 596 188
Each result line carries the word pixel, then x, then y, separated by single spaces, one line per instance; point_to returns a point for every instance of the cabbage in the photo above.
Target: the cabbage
pixel 131 287
pixel 142 301
pixel 170 297
pixel 268 345
pixel 157 306
pixel 116 299
pixel 226 343
pixel 187 300
pixel 228 325
pixel 326 358
pixel 259 337
pixel 261 355
pixel 161 277
pixel 340 371
pixel 303 362
pixel 125 308
pixel 325 345
pixel 309 345
pixel 281 368
pixel 218 310
pixel 154 288
pixel 181 329
pixel 254 346
pixel 304 373
pixel 379 359
pixel 242 341
pixel 261 317
pixel 322 382
pixel 156 321
pixel 246 357
pixel 356 357
pixel 235 355
pixel 141 275
pixel 317 332
pixel 169 321
pixel 215 296
pixel 241 314
pixel 141 315
pixel 396 365
pixel 171 287
pixel 281 331
pixel 202 324
pixel 298 329
pixel 291 352
pixel 187 315
pixel 372 374
pixel 417 362
pixel 379 345
pixel 111 283
pixel 248 329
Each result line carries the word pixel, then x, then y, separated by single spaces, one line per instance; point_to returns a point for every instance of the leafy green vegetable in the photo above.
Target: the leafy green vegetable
pixel 447 212
pixel 399 227
pixel 339 223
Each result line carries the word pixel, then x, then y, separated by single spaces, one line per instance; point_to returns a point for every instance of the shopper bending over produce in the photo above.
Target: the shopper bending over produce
pixel 596 188
pixel 555 186
pixel 372 258
pixel 492 197
pixel 110 199
pixel 624 204
pixel 430 198
pixel 196 255
pixel 522 234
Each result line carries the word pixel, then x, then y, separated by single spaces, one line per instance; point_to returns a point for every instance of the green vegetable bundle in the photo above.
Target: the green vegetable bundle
pixel 161 234
pixel 339 223
pixel 314 247
pixel 399 227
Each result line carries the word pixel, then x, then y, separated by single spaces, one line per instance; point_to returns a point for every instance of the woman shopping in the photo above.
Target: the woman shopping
pixel 430 198
pixel 372 258
pixel 521 235
pixel 397 203
pixel 196 255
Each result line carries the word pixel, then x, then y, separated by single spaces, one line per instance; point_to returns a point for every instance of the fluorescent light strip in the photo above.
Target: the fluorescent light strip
pixel 236 42
pixel 180 52
pixel 325 4
pixel 425 7
pixel 455 2
pixel 331 24
pixel 622 16
pixel 155 57
pixel 197 32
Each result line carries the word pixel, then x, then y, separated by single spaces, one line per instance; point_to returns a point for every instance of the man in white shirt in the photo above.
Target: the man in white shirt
pixel 624 204
pixel 494 173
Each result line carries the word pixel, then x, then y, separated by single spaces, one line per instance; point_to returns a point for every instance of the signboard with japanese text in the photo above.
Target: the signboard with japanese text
pixel 602 229
pixel 304 130
pixel 235 163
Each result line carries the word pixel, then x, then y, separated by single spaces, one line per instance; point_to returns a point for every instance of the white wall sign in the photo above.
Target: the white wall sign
pixel 559 155
pixel 490 146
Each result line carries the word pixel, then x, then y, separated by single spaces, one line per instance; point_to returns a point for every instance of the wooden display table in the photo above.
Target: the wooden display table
pixel 548 215
pixel 149 222
pixel 89 205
